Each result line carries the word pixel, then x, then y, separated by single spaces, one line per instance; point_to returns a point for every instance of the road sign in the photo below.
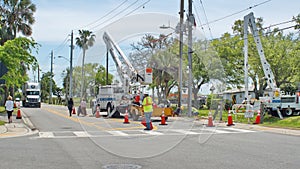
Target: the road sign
pixel 248 114
pixel 148 75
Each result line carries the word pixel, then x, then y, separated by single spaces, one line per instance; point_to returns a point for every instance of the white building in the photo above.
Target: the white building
pixel 237 95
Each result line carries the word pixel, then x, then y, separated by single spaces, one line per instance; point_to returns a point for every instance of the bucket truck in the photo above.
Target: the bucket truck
pixel 115 99
pixel 273 99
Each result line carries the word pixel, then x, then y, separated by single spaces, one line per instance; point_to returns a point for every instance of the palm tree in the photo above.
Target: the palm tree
pixel 16 16
pixel 85 40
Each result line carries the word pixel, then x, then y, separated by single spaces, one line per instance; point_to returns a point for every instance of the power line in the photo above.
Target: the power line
pixel 206 19
pixel 137 8
pixel 58 48
pixel 242 39
pixel 281 23
pixel 198 17
pixel 227 16
pixel 115 15
pixel 107 14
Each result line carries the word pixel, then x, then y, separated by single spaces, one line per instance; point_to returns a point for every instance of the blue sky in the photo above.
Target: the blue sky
pixel 55 19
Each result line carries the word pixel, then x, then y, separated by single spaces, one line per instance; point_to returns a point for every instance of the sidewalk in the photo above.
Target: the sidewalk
pixel 19 127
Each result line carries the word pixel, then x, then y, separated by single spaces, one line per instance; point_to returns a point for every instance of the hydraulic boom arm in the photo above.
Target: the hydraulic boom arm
pixel 111 47
pixel 249 20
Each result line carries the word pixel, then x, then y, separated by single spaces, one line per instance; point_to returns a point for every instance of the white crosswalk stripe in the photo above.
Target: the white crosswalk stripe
pixel 133 133
pixel 186 132
pixel 117 133
pixel 82 134
pixel 152 132
pixel 46 134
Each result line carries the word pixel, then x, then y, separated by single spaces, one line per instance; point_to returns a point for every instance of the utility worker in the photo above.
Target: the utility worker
pixel 148 109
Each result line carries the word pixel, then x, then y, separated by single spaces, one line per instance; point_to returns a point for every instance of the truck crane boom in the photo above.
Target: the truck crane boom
pixel 249 21
pixel 133 75
pixel 275 102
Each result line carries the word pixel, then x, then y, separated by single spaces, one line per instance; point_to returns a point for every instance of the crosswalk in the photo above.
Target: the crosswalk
pixel 138 133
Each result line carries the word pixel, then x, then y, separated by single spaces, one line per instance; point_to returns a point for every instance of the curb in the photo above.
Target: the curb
pixel 27 121
pixel 3 129
pixel 258 128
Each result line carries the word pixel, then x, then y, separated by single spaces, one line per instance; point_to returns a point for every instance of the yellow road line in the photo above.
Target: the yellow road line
pixel 93 124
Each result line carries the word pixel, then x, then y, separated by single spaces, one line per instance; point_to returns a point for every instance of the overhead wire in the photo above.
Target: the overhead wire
pixel 198 17
pixel 61 46
pixel 115 15
pixel 241 39
pixel 138 7
pixel 206 19
pixel 235 13
pixel 107 14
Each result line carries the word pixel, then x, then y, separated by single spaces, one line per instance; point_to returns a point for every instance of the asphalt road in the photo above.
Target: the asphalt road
pixel 87 142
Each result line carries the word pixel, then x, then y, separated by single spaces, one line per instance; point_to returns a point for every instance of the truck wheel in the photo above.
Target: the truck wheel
pixel 288 112
pixel 116 115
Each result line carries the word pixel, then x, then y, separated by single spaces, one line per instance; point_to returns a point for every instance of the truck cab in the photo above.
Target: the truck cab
pixel 31 95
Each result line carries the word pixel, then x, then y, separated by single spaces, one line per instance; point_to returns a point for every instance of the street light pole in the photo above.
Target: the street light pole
pixel 51 76
pixel 71 67
pixel 180 52
pixel 190 52
pixel 181 13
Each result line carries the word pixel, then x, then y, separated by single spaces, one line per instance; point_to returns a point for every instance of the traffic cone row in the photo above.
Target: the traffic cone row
pixel 257 120
pixel 19 114
pixel 210 120
pixel 126 120
pixel 163 119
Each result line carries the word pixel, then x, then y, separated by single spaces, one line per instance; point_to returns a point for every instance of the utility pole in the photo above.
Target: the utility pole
pixel 51 75
pixel 38 74
pixel 190 52
pixel 107 67
pixel 181 13
pixel 71 67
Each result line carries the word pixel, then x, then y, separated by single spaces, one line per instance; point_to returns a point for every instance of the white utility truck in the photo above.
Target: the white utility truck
pixel 31 94
pixel 276 101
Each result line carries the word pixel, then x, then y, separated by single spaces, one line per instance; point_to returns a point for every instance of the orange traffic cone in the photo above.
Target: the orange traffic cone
pixel 19 114
pixel 210 120
pixel 257 120
pixel 229 122
pixel 73 111
pixel 163 119
pixel 144 123
pixel 126 120
pixel 97 112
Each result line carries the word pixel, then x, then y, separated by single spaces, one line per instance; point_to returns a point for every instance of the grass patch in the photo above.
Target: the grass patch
pixel 2 111
pixel 236 117
pixel 269 121
pixel 288 122
pixel 2 123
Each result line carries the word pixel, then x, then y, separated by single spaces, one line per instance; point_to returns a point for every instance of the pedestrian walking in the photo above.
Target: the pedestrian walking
pixel 83 107
pixel 148 109
pixel 70 106
pixel 9 107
